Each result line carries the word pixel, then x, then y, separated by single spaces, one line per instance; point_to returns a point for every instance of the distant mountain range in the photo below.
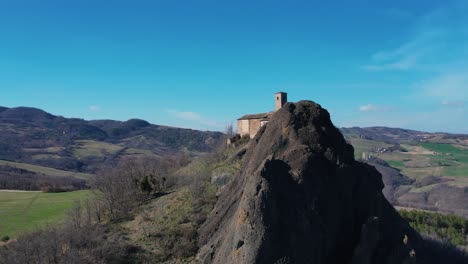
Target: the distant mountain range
pixel 399 135
pixel 33 136
pixel 420 169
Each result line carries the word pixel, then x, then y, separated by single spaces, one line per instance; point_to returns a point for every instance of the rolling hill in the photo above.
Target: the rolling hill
pixel 421 170
pixel 32 140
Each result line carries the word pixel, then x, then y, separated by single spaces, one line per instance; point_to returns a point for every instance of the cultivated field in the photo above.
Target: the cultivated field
pixel 44 170
pixel 25 211
pixel 365 146
pixel 419 160
pixel 92 148
pixel 430 159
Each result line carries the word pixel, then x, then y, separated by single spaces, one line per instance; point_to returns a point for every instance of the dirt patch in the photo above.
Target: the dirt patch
pixel 418 150
pixel 11 241
pixel 19 191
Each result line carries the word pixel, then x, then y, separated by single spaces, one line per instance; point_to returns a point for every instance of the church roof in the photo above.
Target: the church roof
pixel 256 116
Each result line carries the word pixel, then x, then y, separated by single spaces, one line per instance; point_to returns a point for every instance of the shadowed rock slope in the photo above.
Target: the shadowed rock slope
pixel 302 198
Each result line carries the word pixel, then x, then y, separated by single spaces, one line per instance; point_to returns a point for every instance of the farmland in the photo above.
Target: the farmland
pixel 430 159
pixel 92 148
pixel 24 211
pixel 420 156
pixel 44 170
pixel 419 159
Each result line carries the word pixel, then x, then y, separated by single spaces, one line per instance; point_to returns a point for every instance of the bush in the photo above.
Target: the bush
pixel 19 179
pixel 449 228
pixel 133 181
pixel 5 238
pixel 76 241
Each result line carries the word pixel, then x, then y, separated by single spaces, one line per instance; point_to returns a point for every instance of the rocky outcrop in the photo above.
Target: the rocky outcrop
pixel 442 197
pixel 302 198
pixel 430 193
pixel 395 182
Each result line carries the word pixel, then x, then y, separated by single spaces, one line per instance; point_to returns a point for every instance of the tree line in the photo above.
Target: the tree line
pixel 85 236
pixel 449 228
pixel 19 179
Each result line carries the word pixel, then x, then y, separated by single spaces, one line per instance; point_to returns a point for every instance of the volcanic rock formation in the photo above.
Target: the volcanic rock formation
pixel 302 198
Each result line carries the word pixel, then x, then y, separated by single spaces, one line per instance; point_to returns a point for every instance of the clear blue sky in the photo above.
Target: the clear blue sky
pixel 202 64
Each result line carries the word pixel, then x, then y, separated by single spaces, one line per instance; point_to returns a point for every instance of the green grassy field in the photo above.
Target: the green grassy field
pixel 419 160
pixel 44 170
pixel 365 145
pixel 91 148
pixel 396 163
pixel 454 160
pixel 444 148
pixel 24 211
pixel 133 151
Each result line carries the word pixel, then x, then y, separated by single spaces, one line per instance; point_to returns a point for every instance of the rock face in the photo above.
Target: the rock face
pixel 392 179
pixel 302 198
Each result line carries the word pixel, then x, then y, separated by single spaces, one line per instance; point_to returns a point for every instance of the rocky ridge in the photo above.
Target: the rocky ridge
pixel 302 198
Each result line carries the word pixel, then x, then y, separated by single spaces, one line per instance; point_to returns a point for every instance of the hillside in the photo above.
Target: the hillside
pixel 34 140
pixel 293 194
pixel 26 211
pixel 301 197
pixel 421 170
pixel 400 135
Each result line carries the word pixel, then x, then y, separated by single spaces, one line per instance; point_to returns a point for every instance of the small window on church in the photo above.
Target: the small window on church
pixel 277 98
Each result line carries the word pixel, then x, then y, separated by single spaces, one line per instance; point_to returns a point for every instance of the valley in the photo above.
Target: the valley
pixel 435 166
pixel 424 171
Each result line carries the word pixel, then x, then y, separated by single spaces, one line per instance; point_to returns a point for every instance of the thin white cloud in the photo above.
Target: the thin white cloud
pixel 455 103
pixel 436 38
pixel 368 108
pixel 94 108
pixel 195 118
pixel 443 119
pixel 450 86
pixel 435 59
pixel 408 56
pixel 403 64
pixel 397 13
pixel 191 116
pixel 448 89
pixel 374 108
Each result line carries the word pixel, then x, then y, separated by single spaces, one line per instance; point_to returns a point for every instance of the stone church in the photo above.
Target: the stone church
pixel 251 124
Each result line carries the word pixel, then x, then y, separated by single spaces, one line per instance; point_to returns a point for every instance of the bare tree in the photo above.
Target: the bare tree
pixel 132 181
pixel 73 242
pixel 229 131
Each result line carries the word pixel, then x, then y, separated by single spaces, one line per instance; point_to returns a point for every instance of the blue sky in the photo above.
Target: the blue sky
pixel 202 64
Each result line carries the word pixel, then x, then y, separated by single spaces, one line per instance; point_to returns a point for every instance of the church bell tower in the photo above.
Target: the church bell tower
pixel 281 99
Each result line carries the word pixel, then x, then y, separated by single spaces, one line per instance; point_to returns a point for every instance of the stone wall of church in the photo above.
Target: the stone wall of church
pixel 243 127
pixel 254 126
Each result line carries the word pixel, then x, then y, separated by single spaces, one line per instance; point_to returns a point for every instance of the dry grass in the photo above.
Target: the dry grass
pixel 417 150
pixel 45 170
pixel 91 148
pixel 166 228
pixel 50 150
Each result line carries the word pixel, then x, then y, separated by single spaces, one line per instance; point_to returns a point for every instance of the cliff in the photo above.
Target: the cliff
pixel 302 198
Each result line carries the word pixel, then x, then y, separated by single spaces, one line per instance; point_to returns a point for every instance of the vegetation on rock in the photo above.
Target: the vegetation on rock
pixel 449 228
